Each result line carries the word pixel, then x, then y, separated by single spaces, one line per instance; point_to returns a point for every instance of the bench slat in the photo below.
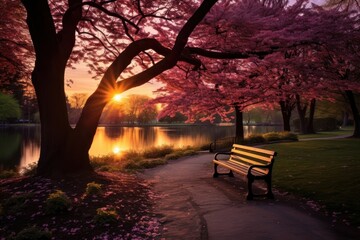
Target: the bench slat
pixel 246 161
pixel 269 152
pixel 267 159
pixel 233 167
pixel 242 168
pixel 262 171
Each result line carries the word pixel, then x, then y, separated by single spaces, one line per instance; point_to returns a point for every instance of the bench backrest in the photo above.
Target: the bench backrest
pixel 251 155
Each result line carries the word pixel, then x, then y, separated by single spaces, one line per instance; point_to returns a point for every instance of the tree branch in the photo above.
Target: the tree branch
pixel 66 36
pixel 172 57
pixel 227 55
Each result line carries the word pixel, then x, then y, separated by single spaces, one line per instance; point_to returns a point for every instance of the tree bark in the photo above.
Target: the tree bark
pixel 355 112
pixel 302 115
pixel 286 111
pixel 310 123
pixel 345 121
pixel 239 126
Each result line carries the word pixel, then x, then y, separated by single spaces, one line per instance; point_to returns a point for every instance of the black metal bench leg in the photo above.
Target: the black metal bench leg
pixel 231 174
pixel 216 174
pixel 250 194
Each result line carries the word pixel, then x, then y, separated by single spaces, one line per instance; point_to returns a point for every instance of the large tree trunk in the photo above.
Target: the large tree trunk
pixel 302 114
pixel 355 112
pixel 239 126
pixel 286 111
pixel 57 156
pixel 310 123
pixel 345 121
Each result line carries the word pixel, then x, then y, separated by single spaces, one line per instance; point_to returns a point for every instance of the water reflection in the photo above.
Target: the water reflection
pixel 118 139
pixel 20 146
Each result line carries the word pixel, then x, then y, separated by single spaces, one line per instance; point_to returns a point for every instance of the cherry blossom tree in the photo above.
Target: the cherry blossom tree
pixel 119 34
pixel 346 63
pixel 293 74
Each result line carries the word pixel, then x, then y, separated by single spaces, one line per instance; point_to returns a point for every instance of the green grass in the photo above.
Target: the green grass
pixel 340 132
pixel 323 170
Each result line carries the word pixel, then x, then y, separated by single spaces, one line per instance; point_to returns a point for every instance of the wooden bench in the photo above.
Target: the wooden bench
pixel 255 163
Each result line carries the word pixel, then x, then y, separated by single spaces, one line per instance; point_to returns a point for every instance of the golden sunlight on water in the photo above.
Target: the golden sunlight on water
pixel 116 140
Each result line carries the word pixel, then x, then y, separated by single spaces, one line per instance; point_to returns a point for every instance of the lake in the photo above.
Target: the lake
pixel 20 145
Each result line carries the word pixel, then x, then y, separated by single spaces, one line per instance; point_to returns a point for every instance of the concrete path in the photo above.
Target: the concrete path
pixel 193 205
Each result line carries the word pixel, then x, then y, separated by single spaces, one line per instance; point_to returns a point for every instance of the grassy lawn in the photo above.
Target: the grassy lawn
pixel 340 132
pixel 327 171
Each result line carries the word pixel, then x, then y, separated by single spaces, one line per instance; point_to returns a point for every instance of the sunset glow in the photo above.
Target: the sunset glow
pixel 116 150
pixel 117 97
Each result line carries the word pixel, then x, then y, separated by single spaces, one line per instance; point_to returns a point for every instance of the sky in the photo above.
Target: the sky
pixel 84 83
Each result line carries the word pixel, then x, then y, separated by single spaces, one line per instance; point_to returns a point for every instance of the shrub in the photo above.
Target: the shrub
pixel 131 155
pixel 132 164
pixel 16 203
pixel 32 233
pixel 105 216
pixel 288 136
pixel 254 139
pixel 93 188
pixel 157 152
pixel 57 202
pixel 150 163
pixel 8 174
pixel 271 136
pixel 101 161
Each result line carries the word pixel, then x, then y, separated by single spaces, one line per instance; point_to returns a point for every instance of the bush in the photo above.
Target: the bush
pixel 16 203
pixel 157 152
pixel 32 233
pixel 93 188
pixel 150 163
pixel 8 174
pixel 57 202
pixel 131 155
pixel 255 139
pixel 105 216
pixel 271 136
pixel 288 136
pixel 100 161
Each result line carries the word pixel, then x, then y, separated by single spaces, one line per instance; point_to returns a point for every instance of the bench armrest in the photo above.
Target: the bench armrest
pixel 221 153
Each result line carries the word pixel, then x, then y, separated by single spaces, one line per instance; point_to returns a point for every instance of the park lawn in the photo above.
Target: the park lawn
pixel 326 171
pixel 341 132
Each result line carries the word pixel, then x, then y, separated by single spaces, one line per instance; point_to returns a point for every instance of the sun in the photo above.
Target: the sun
pixel 117 97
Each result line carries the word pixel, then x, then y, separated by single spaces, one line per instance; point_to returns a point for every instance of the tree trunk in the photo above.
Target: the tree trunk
pixel 310 123
pixel 345 121
pixel 355 113
pixel 239 126
pixel 302 114
pixel 286 110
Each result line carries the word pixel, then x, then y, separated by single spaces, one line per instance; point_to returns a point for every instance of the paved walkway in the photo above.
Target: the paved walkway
pixel 193 205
